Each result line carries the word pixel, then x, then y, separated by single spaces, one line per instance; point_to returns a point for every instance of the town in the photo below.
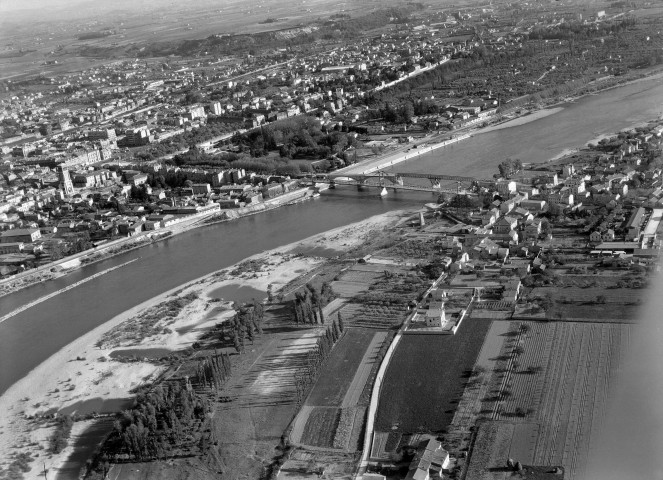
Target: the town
pixel 116 149
pixel 477 335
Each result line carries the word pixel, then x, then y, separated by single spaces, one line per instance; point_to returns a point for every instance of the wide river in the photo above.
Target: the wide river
pixel 32 336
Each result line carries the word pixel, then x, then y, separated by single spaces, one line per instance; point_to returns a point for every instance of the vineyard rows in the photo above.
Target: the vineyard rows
pixel 557 375
pixel 370 316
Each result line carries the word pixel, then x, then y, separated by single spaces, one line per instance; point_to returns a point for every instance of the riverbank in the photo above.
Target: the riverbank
pixel 88 375
pixel 54 270
pixel 553 106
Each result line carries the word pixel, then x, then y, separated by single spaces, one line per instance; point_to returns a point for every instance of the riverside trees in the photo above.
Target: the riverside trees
pixel 246 322
pixel 308 303
pixel 164 421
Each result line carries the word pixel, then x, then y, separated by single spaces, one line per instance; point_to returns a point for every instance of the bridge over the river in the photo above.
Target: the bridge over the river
pixel 399 181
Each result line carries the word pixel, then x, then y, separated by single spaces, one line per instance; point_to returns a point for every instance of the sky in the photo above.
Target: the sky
pixel 46 7
pixel 36 5
pixel 13 5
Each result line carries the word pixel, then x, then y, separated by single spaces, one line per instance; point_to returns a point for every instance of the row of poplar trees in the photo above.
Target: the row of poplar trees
pixel 308 303
pixel 213 371
pixel 315 358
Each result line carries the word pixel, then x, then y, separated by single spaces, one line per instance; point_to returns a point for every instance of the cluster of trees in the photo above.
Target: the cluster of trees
pixel 401 114
pixel 297 137
pixel 195 156
pixel 315 358
pixel 462 203
pixel 245 324
pixel 567 31
pixel 269 166
pixel 74 243
pixel 213 371
pixel 509 166
pixel 139 193
pixel 393 111
pixel 308 303
pixel 167 417
pixel 452 75
pixel 280 166
pixel 168 180
pixel 60 438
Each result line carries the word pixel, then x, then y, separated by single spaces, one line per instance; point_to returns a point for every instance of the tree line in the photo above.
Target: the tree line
pixel 297 137
pixel 213 371
pixel 260 165
pixel 245 325
pixel 308 303
pixel 306 375
pixel 163 421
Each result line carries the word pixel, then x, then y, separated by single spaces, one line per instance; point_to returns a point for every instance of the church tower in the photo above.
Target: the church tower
pixel 65 181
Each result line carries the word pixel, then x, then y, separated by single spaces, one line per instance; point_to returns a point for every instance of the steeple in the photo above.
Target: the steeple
pixel 65 181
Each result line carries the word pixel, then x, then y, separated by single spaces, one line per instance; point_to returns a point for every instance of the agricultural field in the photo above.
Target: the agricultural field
pixel 426 378
pixel 321 426
pixel 377 295
pixel 543 396
pixel 591 301
pixel 340 368
pixel 333 414
pixel 413 249
pixel 264 400
pixel 364 277
pixel 377 314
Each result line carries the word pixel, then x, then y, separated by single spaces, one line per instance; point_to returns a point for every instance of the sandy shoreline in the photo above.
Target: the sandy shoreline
pixel 82 372
pixel 522 120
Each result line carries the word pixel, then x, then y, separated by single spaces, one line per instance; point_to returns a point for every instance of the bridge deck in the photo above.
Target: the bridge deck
pixel 418 188
pixel 432 176
pixel 388 175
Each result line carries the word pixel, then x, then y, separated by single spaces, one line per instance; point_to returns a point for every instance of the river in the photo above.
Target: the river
pixel 30 337
pixel 574 126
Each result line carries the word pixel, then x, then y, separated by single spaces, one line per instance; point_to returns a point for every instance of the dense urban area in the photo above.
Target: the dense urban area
pixel 474 338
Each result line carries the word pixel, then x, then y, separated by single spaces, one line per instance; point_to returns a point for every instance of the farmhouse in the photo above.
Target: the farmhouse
pixel 435 315
pixel 430 458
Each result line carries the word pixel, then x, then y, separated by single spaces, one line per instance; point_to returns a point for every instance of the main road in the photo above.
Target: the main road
pixel 32 336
